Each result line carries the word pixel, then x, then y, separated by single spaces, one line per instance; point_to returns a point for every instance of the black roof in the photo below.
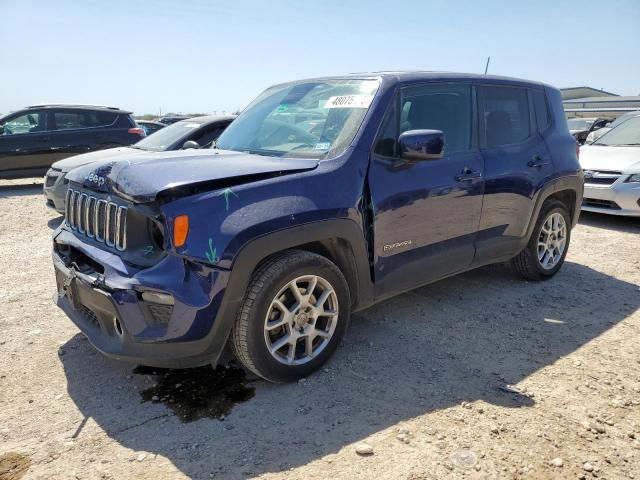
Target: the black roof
pixel 412 76
pixel 79 107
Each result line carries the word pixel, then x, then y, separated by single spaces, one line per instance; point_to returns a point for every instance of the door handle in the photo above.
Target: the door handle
pixel 537 161
pixel 468 175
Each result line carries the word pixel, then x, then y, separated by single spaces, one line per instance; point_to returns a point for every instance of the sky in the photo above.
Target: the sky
pixel 204 56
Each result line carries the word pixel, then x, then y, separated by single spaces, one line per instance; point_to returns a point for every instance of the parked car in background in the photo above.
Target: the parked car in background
pixel 169 119
pixel 612 171
pixel 580 128
pixel 149 126
pixel 33 138
pixel 198 132
pixel 323 197
pixel 596 134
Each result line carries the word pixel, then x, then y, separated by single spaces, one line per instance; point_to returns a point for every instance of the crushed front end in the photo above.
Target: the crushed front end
pixel 132 299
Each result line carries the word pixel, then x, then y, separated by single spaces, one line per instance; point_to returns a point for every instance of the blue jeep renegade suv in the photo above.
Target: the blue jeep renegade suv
pixel 322 198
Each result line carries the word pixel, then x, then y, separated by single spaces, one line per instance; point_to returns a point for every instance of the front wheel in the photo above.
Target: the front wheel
pixel 547 248
pixel 293 316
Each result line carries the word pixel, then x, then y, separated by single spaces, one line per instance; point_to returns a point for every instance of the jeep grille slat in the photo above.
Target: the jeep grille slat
pixel 90 214
pixel 97 218
pixel 67 212
pixel 100 220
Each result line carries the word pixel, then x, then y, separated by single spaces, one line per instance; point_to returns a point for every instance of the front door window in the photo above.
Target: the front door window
pixel 27 123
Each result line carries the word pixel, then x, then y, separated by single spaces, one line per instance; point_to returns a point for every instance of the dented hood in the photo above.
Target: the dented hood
pixel 141 177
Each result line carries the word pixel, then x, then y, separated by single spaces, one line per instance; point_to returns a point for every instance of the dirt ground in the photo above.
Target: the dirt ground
pixel 478 376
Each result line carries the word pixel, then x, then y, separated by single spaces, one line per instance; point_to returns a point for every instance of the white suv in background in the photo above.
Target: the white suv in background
pixel 612 171
pixel 596 134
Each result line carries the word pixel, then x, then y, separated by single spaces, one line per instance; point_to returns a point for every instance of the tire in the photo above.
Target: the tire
pixel 527 263
pixel 262 323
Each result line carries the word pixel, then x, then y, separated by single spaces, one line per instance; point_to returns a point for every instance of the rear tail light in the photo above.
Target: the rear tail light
pixel 137 131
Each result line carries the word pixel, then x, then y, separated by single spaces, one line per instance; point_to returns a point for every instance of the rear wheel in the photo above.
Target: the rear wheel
pixel 547 248
pixel 293 316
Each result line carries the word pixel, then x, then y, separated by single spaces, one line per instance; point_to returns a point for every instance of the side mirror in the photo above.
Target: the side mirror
pixel 190 144
pixel 421 144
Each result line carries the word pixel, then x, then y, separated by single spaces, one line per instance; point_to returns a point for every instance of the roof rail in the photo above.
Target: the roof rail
pixel 39 105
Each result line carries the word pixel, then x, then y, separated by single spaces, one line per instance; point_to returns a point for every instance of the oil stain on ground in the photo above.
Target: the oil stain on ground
pixel 197 392
pixel 13 466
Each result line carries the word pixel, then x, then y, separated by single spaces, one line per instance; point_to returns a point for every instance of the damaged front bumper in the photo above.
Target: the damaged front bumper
pixel 125 312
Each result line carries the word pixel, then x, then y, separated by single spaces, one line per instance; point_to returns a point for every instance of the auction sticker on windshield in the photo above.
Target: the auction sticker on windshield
pixel 349 101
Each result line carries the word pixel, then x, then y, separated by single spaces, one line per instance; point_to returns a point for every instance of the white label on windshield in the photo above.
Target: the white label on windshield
pixel 349 101
pixel 191 125
pixel 323 146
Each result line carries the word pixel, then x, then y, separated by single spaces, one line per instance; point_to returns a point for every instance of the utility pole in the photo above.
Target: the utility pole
pixel 486 67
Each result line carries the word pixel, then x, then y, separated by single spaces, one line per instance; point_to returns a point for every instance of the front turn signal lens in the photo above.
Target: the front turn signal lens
pixel 180 230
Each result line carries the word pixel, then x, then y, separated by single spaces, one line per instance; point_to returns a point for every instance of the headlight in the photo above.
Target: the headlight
pixel 635 178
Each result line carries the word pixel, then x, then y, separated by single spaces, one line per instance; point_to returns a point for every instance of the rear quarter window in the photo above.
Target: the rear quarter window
pixel 543 118
pixel 96 119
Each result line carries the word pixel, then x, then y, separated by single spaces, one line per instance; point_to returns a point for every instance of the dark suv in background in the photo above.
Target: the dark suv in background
pixel 33 138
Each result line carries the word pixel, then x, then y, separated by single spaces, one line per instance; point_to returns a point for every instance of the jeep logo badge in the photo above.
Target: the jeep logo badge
pixel 97 179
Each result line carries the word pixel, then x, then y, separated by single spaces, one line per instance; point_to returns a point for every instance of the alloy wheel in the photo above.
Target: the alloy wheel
pixel 552 241
pixel 301 320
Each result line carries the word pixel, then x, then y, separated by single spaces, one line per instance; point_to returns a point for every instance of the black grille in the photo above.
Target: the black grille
pixel 596 202
pixel 97 218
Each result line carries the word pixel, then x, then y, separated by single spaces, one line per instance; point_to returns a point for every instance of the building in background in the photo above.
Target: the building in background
pixel 572 93
pixel 591 102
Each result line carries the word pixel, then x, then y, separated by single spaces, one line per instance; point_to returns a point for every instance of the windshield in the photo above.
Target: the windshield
pixel 310 120
pixel 167 136
pixel 626 134
pixel 579 124
pixel 622 119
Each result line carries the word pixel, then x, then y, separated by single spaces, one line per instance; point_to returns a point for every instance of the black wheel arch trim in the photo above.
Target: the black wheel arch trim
pixel 572 183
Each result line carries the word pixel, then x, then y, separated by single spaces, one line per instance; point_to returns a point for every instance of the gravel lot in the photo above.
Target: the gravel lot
pixel 478 376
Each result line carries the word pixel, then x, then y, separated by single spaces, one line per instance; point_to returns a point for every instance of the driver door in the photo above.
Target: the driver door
pixel 24 144
pixel 426 212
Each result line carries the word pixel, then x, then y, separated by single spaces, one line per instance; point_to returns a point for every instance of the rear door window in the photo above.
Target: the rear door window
pixel 65 120
pixel 505 115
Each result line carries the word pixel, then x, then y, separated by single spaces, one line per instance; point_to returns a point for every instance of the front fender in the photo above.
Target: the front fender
pixel 222 221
